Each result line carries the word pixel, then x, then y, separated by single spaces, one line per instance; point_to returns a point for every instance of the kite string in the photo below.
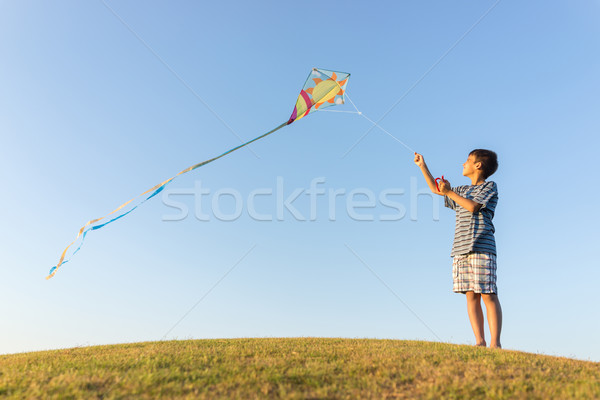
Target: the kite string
pixel 351 102
pixel 371 121
pixel 392 136
pixel 379 126
pixel 341 111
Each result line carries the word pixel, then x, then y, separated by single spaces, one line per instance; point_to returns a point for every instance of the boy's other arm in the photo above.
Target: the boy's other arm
pixel 465 203
pixel 420 161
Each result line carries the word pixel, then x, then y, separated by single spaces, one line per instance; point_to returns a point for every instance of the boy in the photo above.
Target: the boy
pixel 474 247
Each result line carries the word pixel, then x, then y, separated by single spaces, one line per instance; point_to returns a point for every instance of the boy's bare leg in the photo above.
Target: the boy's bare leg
pixel 494 316
pixel 476 316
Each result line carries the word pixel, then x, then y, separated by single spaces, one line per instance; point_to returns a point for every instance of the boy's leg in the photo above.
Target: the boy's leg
pixel 476 316
pixel 494 316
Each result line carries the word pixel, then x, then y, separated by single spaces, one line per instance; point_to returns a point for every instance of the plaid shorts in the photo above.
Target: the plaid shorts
pixel 474 272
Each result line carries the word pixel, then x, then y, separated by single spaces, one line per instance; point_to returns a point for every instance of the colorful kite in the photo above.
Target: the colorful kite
pixel 322 89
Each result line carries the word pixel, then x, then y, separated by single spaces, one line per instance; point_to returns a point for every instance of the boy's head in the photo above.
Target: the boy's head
pixel 484 160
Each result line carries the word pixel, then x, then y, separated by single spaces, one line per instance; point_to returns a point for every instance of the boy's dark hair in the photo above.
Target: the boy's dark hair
pixel 488 160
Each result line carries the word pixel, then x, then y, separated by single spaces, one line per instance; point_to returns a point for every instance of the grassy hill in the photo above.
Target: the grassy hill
pixel 300 368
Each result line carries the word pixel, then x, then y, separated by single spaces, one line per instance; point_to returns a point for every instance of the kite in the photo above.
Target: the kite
pixel 322 89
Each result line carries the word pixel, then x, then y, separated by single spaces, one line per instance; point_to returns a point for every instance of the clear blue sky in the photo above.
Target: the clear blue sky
pixel 90 117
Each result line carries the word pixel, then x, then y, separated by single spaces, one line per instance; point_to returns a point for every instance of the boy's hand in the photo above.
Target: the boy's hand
pixel 419 160
pixel 444 186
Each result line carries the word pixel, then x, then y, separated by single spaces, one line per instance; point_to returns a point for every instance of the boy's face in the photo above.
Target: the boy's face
pixel 470 166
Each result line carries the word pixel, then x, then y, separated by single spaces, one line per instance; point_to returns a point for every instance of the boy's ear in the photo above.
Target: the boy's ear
pixel 478 165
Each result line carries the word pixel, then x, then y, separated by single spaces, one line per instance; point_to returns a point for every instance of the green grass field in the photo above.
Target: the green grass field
pixel 300 368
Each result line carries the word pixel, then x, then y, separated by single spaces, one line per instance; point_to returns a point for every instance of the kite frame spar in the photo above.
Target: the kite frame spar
pixel 329 94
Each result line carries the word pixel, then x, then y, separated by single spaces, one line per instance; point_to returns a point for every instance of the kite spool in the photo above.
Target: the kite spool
pixel 436 182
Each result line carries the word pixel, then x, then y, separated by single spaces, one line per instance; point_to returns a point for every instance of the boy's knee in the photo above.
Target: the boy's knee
pixel 473 296
pixel 489 296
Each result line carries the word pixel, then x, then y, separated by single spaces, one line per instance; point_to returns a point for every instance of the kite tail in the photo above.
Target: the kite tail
pixel 92 224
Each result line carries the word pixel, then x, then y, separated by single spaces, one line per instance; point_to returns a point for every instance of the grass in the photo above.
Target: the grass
pixel 297 368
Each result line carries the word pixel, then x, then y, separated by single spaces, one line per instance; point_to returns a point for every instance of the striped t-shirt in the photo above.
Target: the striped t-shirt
pixel 474 232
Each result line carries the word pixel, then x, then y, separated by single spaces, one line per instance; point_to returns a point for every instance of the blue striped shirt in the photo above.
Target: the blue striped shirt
pixel 474 232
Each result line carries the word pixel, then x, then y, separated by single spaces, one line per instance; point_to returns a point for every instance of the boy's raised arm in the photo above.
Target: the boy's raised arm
pixel 420 161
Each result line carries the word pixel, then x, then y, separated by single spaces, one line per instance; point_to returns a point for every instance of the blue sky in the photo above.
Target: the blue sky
pixel 90 117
